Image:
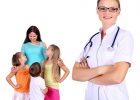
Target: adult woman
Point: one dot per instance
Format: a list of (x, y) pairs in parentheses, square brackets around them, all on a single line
[(33, 47), (106, 58)]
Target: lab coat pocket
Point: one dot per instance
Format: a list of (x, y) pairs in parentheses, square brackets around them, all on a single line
[(108, 55), (114, 92)]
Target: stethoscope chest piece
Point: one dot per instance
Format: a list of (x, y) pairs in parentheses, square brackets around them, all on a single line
[(110, 49)]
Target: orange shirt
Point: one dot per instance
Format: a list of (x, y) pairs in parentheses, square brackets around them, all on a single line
[(23, 78)]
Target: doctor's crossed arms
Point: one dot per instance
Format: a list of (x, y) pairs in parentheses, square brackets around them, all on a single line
[(106, 57)]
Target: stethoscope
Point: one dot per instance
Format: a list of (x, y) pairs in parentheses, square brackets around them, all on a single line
[(90, 43)]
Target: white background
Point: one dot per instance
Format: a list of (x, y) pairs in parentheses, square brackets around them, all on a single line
[(68, 24)]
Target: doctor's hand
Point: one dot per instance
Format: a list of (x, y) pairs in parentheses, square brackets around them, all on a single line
[(84, 63)]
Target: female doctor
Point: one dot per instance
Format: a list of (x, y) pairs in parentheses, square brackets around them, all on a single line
[(106, 58)]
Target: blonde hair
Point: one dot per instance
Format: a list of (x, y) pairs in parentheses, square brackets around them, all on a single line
[(118, 2), (56, 55)]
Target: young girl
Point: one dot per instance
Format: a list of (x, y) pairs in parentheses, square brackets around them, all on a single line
[(21, 73), (37, 83), (51, 72)]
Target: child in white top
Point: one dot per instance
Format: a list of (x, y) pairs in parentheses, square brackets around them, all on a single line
[(37, 83)]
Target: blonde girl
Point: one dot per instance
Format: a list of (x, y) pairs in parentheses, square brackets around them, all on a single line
[(51, 72), (21, 73)]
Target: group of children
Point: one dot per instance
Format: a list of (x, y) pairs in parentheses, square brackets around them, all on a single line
[(38, 81)]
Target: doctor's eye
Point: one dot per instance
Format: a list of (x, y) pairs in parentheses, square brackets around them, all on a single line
[(110, 9), (102, 9)]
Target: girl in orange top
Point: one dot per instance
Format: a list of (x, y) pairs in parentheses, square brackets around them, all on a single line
[(21, 73)]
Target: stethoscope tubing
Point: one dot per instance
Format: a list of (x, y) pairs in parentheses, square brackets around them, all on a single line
[(112, 45), (90, 43)]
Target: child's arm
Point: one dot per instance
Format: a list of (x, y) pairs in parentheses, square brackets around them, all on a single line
[(44, 91), (44, 50), (43, 87), (8, 78), (65, 69)]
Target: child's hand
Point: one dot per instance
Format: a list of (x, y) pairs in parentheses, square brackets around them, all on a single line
[(14, 69), (60, 81), (18, 86), (44, 91), (60, 62)]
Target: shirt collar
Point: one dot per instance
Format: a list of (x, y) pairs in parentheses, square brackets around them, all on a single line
[(110, 29)]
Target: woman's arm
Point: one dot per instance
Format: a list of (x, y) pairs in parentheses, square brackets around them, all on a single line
[(85, 74), (115, 76), (42, 69), (65, 69), (82, 72), (44, 50), (23, 49), (44, 45)]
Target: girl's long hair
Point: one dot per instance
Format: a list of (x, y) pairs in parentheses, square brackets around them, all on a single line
[(56, 55)]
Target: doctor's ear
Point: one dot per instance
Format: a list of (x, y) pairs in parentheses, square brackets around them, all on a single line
[(97, 10), (119, 11)]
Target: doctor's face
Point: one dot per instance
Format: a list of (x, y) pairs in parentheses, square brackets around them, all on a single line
[(108, 11)]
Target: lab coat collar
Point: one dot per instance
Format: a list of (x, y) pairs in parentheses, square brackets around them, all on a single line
[(110, 29)]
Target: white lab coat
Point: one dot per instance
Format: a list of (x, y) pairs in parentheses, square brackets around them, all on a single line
[(99, 54)]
